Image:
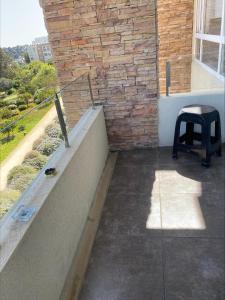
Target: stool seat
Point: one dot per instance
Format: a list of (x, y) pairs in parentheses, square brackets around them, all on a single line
[(205, 116), (197, 109)]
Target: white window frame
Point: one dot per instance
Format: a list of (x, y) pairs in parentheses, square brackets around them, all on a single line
[(201, 36)]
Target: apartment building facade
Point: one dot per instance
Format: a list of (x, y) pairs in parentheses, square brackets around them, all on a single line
[(40, 50)]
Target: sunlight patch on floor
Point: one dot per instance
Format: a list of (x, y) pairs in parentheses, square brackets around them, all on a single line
[(177, 205)]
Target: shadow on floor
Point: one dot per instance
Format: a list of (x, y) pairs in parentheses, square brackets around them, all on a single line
[(161, 234)]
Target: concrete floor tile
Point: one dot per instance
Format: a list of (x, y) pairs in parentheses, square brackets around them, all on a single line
[(172, 182), (194, 269), (137, 157), (131, 215), (182, 211), (134, 179), (193, 215), (124, 269)]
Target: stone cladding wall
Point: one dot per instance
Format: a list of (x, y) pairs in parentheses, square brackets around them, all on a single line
[(116, 40)]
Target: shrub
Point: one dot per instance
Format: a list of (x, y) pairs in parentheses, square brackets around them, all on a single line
[(20, 177), (25, 97), (16, 83), (20, 102), (22, 107), (7, 139), (8, 198), (11, 91), (7, 129), (22, 89), (38, 142), (21, 128), (48, 145), (42, 94), (35, 160), (5, 84), (12, 106), (6, 113), (2, 95), (15, 112), (10, 102), (54, 131), (2, 103)]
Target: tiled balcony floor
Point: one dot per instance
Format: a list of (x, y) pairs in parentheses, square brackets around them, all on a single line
[(161, 235)]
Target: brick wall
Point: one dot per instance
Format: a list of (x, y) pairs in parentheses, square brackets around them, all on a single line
[(116, 40), (175, 27)]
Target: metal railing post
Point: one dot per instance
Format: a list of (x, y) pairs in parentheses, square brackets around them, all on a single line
[(90, 88), (61, 120), (168, 81)]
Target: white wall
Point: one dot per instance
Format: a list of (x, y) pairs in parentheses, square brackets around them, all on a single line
[(170, 106), (36, 257)]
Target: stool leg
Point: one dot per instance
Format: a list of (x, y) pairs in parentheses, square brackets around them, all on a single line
[(176, 138), (206, 142), (189, 133), (206, 161), (218, 135)]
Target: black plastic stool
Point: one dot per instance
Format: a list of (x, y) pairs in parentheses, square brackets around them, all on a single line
[(203, 115)]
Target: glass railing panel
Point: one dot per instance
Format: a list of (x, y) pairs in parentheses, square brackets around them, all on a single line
[(29, 140)]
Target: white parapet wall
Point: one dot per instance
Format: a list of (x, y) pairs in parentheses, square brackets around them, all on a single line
[(36, 255), (169, 108)]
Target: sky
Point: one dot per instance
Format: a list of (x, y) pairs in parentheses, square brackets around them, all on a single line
[(20, 22)]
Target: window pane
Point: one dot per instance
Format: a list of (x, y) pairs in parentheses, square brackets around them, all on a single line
[(197, 49), (222, 65), (210, 53), (213, 16)]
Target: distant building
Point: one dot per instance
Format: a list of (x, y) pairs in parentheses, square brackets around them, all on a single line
[(40, 50), (40, 40), (32, 52)]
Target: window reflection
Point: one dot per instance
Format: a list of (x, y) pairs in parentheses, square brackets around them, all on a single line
[(210, 54), (213, 17)]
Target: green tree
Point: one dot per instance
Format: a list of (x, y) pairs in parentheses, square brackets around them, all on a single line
[(5, 84), (8, 129), (34, 76), (5, 113), (42, 94), (27, 58), (7, 65), (45, 77), (25, 97)]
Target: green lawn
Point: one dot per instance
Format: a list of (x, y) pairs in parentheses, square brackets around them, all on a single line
[(29, 122), (7, 199)]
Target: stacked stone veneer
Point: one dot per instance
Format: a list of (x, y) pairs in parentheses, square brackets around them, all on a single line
[(175, 27), (116, 41)]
